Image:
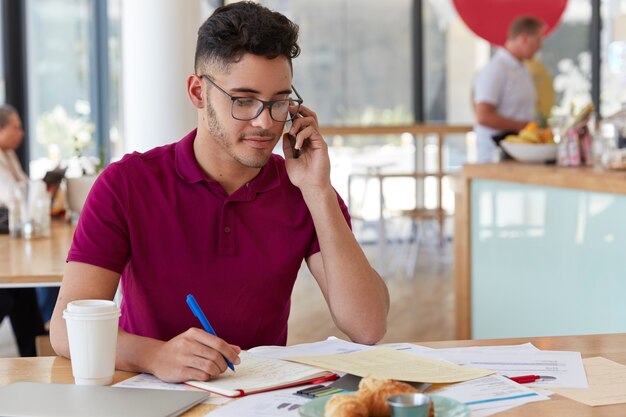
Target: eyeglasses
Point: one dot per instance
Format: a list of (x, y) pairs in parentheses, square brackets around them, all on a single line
[(248, 108)]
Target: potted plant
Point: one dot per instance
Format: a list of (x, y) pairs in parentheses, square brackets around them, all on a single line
[(69, 137)]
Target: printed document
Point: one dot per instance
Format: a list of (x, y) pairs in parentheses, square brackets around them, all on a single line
[(490, 395), (566, 367), (393, 364), (330, 346)]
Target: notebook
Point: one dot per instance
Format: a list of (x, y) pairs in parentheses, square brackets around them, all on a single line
[(259, 374), (37, 399)]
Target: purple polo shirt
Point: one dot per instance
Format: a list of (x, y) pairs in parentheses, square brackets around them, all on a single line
[(170, 231)]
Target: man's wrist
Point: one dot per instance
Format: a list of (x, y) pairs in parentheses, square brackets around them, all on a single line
[(312, 194)]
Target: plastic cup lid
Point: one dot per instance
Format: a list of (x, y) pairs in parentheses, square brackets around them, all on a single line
[(91, 308)]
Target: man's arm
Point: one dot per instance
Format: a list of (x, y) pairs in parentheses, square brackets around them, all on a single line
[(356, 295), (193, 354), (487, 115)]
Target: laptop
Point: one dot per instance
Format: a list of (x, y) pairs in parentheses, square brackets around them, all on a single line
[(37, 399)]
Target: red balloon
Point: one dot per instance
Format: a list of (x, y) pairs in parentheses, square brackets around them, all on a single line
[(490, 19)]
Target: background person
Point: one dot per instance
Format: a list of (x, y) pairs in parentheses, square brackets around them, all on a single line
[(18, 304), (218, 215), (11, 173), (504, 93), (11, 134)]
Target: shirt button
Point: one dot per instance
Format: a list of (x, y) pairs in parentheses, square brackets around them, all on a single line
[(227, 229)]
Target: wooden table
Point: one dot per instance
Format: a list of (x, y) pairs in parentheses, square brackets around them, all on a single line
[(37, 262), (610, 346)]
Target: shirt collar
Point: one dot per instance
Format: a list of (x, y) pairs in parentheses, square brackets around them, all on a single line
[(190, 171), (508, 58)]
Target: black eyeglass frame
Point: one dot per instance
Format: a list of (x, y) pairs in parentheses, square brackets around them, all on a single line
[(267, 104)]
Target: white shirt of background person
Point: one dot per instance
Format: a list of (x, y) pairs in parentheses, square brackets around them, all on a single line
[(506, 83)]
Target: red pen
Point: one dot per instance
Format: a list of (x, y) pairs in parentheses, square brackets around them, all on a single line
[(525, 379)]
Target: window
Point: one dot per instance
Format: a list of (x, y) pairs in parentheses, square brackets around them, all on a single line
[(2, 80), (613, 58), (65, 82), (356, 65)]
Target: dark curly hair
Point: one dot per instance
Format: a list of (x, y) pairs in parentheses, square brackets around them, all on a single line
[(245, 27)]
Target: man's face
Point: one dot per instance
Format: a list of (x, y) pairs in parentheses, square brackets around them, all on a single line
[(11, 135), (250, 142), (532, 43)]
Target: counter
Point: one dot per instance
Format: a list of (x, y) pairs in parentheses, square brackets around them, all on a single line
[(539, 250)]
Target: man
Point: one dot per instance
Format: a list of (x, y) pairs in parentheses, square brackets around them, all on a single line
[(504, 93), (219, 216), (19, 304)]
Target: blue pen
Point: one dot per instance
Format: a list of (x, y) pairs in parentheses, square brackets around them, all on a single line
[(197, 311)]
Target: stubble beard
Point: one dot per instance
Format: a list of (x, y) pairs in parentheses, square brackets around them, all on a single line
[(218, 133)]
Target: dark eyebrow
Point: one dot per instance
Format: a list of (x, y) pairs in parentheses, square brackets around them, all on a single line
[(253, 91)]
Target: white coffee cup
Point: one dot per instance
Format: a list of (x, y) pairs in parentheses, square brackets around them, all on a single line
[(92, 332)]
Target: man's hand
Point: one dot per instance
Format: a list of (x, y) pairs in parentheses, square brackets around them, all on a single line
[(192, 355), (312, 169)]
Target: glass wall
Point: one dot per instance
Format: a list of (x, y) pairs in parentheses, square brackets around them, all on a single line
[(116, 142), (2, 80), (567, 56), (613, 58), (58, 80), (356, 62), (63, 84)]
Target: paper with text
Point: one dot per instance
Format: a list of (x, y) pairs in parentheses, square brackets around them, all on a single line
[(607, 383), (393, 364), (490, 395), (330, 346), (566, 367)]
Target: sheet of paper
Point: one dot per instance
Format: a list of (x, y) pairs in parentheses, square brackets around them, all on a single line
[(282, 403), (566, 367), (393, 364), (152, 382), (607, 383), (407, 347), (330, 346), (524, 347), (490, 395)]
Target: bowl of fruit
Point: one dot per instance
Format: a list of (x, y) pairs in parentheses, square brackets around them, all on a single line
[(532, 145)]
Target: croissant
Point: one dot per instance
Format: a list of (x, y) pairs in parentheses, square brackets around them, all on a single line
[(343, 405), (374, 392)]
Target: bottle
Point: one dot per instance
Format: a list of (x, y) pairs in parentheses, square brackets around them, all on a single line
[(16, 209), (39, 210)]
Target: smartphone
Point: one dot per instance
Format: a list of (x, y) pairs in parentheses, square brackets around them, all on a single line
[(292, 141)]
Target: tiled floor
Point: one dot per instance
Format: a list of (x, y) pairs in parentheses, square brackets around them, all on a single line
[(422, 305)]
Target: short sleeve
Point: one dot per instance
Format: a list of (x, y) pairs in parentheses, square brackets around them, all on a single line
[(315, 244), (101, 237), (488, 85)]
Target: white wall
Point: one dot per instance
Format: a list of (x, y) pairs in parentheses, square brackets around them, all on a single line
[(466, 56), (158, 46)]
